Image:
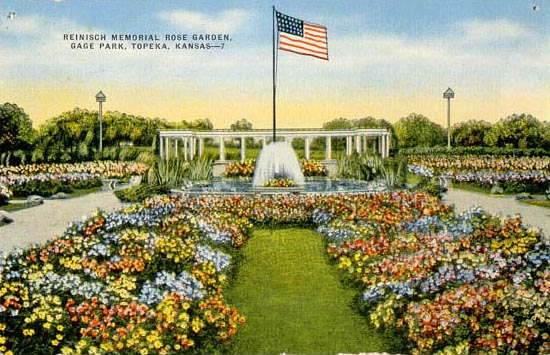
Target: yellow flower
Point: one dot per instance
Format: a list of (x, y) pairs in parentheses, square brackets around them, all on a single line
[(47, 325), (2, 340), (59, 336), (60, 328), (28, 332), (55, 342), (2, 326)]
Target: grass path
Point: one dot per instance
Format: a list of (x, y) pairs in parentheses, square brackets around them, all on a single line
[(293, 300)]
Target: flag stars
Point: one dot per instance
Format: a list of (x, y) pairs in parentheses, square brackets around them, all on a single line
[(290, 25)]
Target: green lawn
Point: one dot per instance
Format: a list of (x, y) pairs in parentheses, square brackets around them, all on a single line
[(413, 179), (293, 300), (540, 203), (478, 189)]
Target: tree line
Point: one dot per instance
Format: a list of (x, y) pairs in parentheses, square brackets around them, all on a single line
[(74, 135)]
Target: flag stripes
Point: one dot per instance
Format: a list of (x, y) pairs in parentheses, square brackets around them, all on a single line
[(301, 37)]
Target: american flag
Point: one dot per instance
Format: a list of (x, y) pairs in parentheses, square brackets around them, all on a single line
[(301, 37)]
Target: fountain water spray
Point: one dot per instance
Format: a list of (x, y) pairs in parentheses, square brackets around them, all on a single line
[(277, 160)]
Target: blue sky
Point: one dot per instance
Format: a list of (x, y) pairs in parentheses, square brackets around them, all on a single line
[(388, 58)]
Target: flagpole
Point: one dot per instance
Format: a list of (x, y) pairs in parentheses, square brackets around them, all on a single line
[(274, 78)]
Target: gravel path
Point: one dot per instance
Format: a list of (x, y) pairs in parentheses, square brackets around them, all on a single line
[(533, 216), (40, 223)]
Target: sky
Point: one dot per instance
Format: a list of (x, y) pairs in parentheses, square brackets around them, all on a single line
[(388, 58)]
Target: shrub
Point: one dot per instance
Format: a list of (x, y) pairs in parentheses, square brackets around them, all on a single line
[(199, 169), (139, 193), (51, 187), (170, 173)]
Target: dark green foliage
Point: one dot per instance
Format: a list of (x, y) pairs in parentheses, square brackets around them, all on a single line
[(16, 134), (140, 192), (241, 125), (470, 133), (417, 130), (516, 131), (430, 186), (51, 187)]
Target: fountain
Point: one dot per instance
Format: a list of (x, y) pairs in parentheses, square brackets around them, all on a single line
[(277, 160)]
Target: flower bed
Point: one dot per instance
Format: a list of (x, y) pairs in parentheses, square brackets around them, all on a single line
[(240, 169), (525, 174), (48, 179), (106, 169), (246, 169), (5, 194), (150, 279), (279, 183), (313, 168)]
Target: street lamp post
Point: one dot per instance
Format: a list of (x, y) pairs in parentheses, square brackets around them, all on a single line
[(100, 97), (449, 94)]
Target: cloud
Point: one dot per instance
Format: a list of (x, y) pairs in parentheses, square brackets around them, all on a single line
[(224, 22), (24, 26), (478, 31), (47, 0)]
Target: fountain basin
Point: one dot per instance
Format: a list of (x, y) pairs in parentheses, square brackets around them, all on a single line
[(309, 186)]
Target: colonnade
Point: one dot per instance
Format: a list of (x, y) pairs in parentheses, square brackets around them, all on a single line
[(191, 143)]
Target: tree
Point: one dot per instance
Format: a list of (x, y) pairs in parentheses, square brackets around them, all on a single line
[(241, 125), (516, 131), (201, 124), (74, 135), (470, 133), (338, 123), (16, 132), (417, 130)]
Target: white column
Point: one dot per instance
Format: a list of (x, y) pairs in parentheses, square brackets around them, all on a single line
[(348, 145), (264, 141), (388, 144), (380, 145), (243, 149), (358, 144), (364, 142), (161, 147), (167, 148), (222, 149), (185, 140), (307, 141), (176, 148), (328, 147), (201, 146), (192, 148)]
